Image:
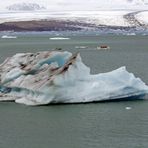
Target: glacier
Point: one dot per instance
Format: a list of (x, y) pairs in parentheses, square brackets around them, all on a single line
[(118, 16), (61, 77)]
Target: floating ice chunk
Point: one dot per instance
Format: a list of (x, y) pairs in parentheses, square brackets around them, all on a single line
[(60, 77), (128, 108), (8, 37), (59, 38)]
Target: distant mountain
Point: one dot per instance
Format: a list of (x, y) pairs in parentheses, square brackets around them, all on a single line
[(73, 5), (25, 7), (52, 21), (59, 15)]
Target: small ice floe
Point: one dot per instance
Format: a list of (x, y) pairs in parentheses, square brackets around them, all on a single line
[(103, 47), (128, 108), (59, 38), (81, 47), (8, 37), (131, 34), (61, 77)]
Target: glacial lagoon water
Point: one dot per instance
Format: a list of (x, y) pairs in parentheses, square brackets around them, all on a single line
[(105, 124)]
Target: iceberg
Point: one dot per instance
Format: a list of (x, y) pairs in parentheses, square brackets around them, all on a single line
[(61, 77)]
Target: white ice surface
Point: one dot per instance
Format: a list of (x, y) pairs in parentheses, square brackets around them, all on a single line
[(59, 77), (59, 38), (143, 17), (8, 37), (99, 17), (112, 18)]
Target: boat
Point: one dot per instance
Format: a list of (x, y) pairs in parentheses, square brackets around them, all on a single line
[(103, 47)]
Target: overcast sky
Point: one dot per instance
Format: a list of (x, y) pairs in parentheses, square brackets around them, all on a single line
[(79, 4)]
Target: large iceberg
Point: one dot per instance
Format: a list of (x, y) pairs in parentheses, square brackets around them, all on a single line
[(61, 77)]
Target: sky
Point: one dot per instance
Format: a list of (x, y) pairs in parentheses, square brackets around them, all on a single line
[(81, 4)]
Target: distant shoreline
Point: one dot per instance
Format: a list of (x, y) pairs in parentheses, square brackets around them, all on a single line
[(40, 25), (55, 25)]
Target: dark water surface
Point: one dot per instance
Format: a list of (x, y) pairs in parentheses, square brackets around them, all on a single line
[(95, 125)]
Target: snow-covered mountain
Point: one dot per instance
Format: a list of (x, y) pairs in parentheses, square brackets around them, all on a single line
[(62, 5), (44, 15), (25, 7)]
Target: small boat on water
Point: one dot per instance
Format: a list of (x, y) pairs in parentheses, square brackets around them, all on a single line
[(8, 37), (103, 47)]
